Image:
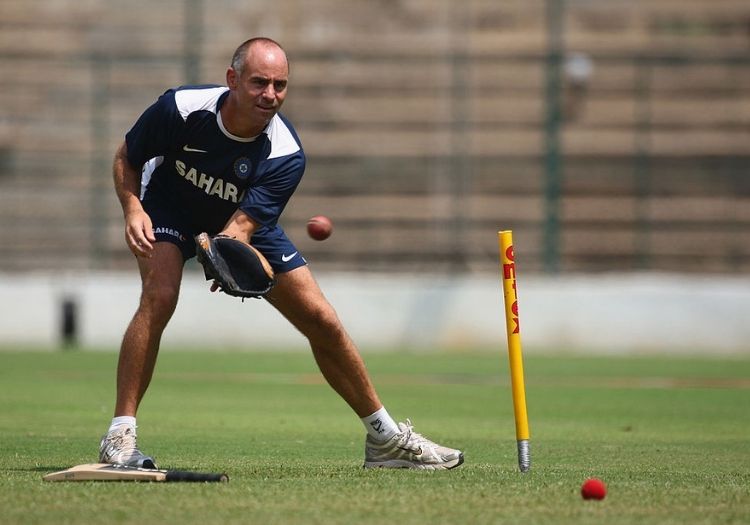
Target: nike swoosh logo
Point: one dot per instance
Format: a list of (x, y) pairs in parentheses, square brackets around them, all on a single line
[(186, 148), (287, 258)]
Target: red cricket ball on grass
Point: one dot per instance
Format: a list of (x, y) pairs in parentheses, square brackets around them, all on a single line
[(319, 227), (593, 488)]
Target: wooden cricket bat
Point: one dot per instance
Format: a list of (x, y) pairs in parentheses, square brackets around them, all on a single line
[(106, 472)]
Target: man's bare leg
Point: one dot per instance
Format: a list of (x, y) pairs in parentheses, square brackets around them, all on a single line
[(297, 296), (160, 277)]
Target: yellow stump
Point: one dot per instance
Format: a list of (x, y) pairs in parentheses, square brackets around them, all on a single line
[(512, 325)]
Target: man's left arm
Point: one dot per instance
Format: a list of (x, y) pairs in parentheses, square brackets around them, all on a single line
[(240, 226), (264, 202)]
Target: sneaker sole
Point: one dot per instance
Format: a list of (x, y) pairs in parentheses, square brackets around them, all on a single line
[(401, 463), (147, 464)]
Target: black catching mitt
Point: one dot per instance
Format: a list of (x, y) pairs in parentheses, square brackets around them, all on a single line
[(238, 268)]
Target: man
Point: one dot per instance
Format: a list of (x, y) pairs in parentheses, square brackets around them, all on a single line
[(221, 159)]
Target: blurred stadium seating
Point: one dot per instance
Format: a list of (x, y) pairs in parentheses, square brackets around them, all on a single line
[(427, 125)]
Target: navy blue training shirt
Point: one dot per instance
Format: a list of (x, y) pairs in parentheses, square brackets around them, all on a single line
[(191, 161)]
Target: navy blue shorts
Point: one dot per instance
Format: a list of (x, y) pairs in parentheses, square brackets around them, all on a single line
[(272, 242)]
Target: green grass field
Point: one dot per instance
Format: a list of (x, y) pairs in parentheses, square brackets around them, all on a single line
[(670, 436)]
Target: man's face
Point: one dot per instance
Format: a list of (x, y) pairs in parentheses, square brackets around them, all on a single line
[(261, 86)]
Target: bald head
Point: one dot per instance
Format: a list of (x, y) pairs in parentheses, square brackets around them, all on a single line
[(239, 59)]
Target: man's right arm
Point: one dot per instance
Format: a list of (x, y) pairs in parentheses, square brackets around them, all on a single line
[(139, 233)]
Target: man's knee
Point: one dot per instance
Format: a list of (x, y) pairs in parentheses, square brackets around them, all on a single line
[(159, 300), (160, 282), (298, 297), (322, 322)]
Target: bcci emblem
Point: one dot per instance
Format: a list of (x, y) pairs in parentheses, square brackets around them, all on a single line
[(242, 167)]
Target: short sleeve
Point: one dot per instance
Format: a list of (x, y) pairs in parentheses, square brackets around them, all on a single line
[(266, 200), (155, 131)]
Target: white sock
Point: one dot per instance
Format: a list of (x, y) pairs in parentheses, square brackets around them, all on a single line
[(380, 425), (121, 420)]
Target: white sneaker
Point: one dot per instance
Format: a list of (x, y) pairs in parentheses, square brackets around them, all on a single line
[(118, 447), (407, 449)]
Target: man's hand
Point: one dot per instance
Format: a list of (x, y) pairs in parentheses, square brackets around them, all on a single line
[(139, 233)]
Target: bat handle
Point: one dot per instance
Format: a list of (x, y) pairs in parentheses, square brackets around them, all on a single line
[(179, 475)]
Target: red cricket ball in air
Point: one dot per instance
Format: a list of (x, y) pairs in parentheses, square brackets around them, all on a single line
[(319, 227)]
